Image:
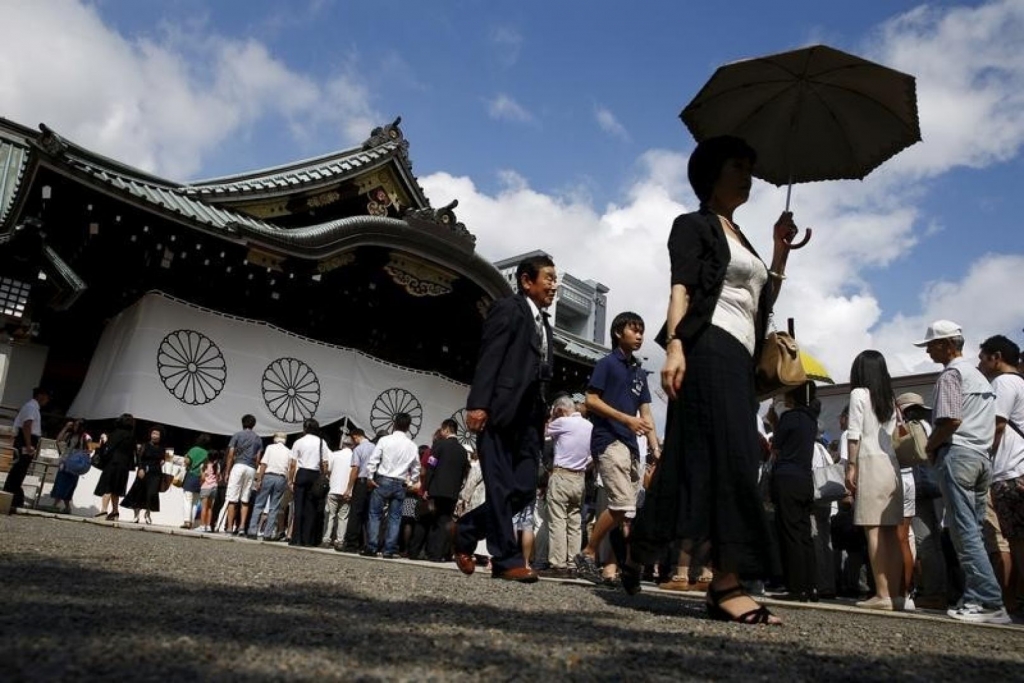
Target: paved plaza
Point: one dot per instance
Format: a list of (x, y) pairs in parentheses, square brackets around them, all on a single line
[(88, 601)]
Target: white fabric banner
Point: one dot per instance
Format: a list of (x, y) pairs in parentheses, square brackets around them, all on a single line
[(165, 360)]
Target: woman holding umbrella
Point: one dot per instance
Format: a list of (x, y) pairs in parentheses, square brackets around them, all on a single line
[(721, 297)]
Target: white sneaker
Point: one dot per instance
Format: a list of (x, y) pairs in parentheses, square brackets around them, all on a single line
[(976, 614)]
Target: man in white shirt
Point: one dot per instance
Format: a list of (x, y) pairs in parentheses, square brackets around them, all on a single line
[(571, 433), (271, 483), (343, 471), (395, 464), (960, 443), (997, 361), (28, 428)]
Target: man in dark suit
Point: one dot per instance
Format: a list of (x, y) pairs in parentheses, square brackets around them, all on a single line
[(506, 408), (449, 464)]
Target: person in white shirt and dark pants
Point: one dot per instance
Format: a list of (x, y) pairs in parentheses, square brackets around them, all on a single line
[(309, 459), (395, 463), (28, 428)]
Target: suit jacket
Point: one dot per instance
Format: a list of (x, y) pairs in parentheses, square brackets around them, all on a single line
[(507, 379), (445, 478)]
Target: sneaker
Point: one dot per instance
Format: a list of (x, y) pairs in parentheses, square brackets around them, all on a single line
[(587, 569), (905, 604), (976, 614)]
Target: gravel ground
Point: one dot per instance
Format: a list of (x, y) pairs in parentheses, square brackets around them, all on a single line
[(85, 601)]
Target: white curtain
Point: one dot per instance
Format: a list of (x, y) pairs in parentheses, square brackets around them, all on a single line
[(169, 361)]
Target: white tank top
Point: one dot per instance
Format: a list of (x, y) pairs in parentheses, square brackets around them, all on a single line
[(736, 309)]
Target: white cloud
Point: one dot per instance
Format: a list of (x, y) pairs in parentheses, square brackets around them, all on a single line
[(507, 43), (970, 81), (503, 108), (609, 124), (162, 103), (862, 226)]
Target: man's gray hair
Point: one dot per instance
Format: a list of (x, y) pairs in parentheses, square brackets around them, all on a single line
[(563, 404), (957, 342)]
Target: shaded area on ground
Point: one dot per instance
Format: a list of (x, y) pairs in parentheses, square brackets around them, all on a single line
[(89, 602)]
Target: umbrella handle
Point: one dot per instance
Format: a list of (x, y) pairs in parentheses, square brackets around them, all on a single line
[(802, 243)]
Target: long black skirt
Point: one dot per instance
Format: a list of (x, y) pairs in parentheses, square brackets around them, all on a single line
[(144, 493), (705, 488)]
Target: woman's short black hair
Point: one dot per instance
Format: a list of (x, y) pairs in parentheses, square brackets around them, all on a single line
[(709, 157)]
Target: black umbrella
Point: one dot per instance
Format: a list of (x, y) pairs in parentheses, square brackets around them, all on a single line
[(812, 114)]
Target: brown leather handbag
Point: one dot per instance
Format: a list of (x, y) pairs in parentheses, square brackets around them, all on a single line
[(779, 367)]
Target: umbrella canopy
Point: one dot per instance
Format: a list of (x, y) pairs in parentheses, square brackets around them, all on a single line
[(811, 114), (814, 368)]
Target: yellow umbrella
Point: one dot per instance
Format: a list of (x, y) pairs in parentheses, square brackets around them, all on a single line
[(814, 368)]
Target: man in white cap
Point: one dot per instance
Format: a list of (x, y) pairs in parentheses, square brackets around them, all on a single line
[(964, 431)]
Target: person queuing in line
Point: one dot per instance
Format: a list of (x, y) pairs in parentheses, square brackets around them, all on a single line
[(28, 430), (619, 403), (394, 465), (720, 299), (270, 485), (117, 457), (449, 467), (570, 433), (359, 505), (506, 408), (342, 471), (873, 476), (792, 490), (244, 451), (144, 495), (309, 457), (191, 487), (963, 434), (72, 439), (930, 588), (210, 478), (998, 360), (821, 519)]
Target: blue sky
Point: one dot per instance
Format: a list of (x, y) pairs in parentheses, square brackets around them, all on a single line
[(556, 125)]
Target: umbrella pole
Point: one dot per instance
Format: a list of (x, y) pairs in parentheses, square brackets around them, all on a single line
[(789, 194)]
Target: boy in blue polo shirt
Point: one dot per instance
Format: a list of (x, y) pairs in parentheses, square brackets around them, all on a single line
[(619, 404)]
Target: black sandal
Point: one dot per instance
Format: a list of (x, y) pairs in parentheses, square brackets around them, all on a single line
[(760, 615)]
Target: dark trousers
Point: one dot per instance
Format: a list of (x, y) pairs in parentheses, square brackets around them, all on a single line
[(417, 545), (18, 471), (357, 510), (304, 531), (439, 540), (508, 464), (793, 495)]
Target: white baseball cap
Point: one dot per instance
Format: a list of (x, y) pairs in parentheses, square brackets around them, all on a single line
[(940, 329)]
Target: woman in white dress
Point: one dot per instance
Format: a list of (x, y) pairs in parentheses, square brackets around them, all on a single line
[(873, 476)]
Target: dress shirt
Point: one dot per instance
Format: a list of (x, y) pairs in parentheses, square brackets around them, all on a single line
[(395, 456), (30, 411), (309, 451), (571, 435), (340, 468), (276, 458), (361, 457), (538, 320)]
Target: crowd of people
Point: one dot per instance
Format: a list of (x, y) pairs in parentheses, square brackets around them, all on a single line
[(729, 502)]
